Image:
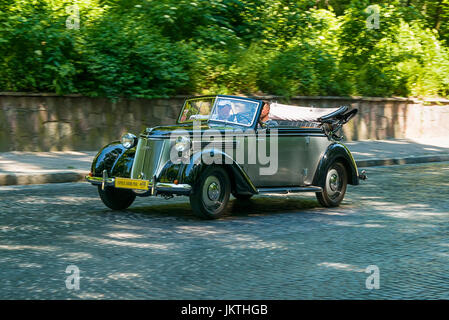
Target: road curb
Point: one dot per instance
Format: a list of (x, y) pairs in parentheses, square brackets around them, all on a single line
[(40, 178), (398, 161), (70, 176)]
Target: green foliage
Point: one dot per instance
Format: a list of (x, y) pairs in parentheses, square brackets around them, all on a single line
[(149, 48), (126, 55), (36, 52), (400, 58), (308, 63)]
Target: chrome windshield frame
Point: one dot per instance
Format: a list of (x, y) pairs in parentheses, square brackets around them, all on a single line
[(256, 112), (178, 120)]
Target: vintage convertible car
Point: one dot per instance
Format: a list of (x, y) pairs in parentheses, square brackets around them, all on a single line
[(304, 155)]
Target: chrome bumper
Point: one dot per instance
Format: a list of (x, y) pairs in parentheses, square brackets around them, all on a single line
[(159, 187)]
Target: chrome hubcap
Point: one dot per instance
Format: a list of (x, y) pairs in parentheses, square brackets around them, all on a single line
[(333, 184), (212, 192)]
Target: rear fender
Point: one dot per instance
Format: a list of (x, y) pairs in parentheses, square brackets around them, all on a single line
[(336, 152)]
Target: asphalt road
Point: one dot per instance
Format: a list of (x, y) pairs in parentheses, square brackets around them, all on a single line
[(273, 247)]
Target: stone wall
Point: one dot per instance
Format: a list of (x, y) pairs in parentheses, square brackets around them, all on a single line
[(47, 122), (51, 123), (388, 118)]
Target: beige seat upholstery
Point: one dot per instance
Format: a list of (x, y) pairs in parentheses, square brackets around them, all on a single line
[(295, 113)]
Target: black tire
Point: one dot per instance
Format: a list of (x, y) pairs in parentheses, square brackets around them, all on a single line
[(116, 199), (210, 194), (242, 197), (335, 186)]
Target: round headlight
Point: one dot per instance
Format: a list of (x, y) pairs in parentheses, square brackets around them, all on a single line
[(128, 140), (182, 143)]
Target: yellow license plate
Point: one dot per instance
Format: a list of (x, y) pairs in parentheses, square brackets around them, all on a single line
[(131, 183)]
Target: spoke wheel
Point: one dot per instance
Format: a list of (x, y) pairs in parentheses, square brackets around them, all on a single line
[(211, 194), (335, 186)]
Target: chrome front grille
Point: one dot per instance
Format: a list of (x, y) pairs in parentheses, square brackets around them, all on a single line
[(151, 155)]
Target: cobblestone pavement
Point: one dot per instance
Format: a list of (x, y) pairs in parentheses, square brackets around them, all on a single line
[(273, 247)]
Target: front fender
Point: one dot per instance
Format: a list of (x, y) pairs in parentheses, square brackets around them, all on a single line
[(336, 151), (115, 159), (190, 173)]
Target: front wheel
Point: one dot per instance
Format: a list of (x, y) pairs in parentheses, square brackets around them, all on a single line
[(335, 186), (116, 199), (211, 194)]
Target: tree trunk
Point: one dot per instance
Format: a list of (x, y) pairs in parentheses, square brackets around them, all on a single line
[(438, 15)]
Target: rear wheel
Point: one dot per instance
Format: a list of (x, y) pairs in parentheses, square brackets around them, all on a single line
[(211, 194), (335, 186), (116, 199)]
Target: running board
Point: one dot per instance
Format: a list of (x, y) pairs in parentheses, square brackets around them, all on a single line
[(290, 189)]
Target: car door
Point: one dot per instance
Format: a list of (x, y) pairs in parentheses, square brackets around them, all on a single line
[(290, 158)]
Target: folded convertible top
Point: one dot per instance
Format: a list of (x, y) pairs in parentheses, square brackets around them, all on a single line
[(296, 113)]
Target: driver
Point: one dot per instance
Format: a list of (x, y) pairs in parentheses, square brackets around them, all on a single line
[(264, 118), (225, 113), (265, 112)]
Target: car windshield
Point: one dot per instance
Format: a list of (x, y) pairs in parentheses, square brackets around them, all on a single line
[(234, 110), (196, 109)]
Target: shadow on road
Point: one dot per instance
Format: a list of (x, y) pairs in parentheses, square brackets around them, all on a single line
[(236, 208)]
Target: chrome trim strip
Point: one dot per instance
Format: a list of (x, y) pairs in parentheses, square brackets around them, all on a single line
[(290, 189), (153, 186), (100, 181), (159, 164), (173, 186), (279, 133), (105, 178)]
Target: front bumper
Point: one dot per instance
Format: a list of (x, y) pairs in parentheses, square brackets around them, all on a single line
[(153, 189)]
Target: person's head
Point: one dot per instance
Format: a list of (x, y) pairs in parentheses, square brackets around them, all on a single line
[(265, 109), (224, 111)]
